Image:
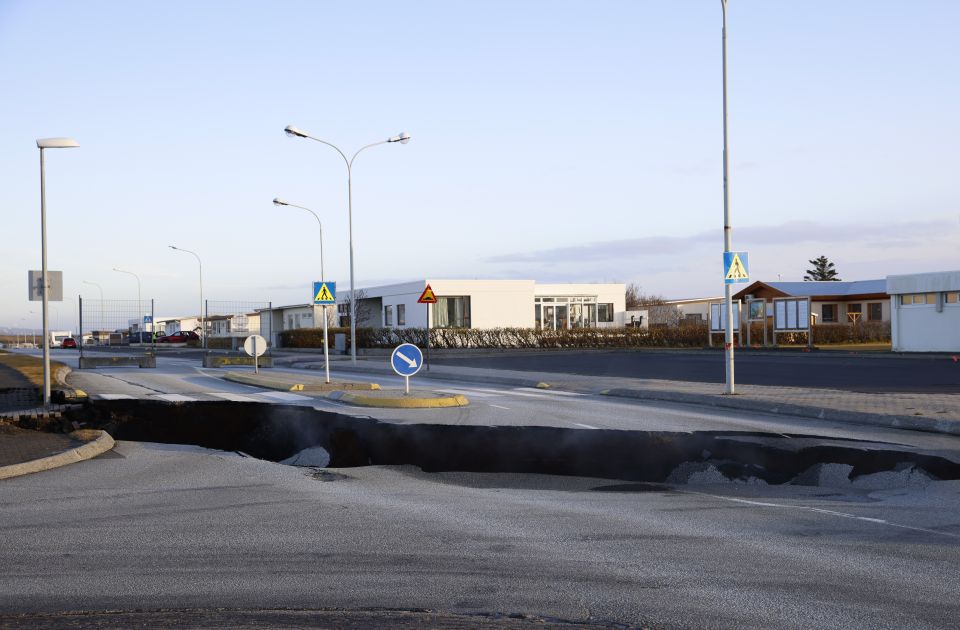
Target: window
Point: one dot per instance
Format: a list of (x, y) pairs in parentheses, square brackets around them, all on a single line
[(401, 314), (854, 313), (605, 312), (829, 313), (388, 316), (343, 310), (452, 312), (918, 298), (875, 312), (289, 321), (952, 298)]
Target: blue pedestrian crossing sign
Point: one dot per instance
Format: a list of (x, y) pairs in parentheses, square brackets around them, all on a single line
[(735, 268), (406, 359), (324, 292)]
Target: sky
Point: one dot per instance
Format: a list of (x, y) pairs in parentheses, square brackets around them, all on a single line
[(555, 141)]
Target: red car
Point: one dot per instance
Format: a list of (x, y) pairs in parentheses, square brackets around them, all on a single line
[(181, 336), (69, 342)]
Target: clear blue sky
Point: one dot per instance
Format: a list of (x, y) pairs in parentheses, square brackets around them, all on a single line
[(557, 141)]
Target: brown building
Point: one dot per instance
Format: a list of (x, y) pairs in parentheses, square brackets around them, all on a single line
[(830, 302)]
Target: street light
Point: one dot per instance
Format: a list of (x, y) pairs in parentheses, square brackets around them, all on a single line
[(203, 329), (402, 138), (139, 302), (47, 143), (727, 227), (326, 356)]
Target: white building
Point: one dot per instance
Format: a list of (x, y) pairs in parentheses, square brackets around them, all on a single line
[(925, 312), (472, 304)]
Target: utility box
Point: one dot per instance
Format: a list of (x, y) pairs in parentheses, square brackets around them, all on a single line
[(340, 343)]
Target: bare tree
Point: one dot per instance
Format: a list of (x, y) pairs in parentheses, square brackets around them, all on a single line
[(658, 311)]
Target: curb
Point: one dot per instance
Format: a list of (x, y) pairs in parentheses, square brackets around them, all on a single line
[(99, 445), (457, 400), (272, 382), (494, 380), (912, 423)]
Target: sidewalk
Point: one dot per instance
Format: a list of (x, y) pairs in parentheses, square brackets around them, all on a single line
[(939, 413)]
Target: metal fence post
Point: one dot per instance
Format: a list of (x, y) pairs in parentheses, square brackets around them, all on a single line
[(270, 329), (153, 328), (206, 323), (80, 332)]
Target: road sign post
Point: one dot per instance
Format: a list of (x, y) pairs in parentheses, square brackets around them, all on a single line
[(428, 297), (406, 360), (325, 293), (255, 346)]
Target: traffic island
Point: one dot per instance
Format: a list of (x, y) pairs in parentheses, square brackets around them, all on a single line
[(397, 399), (26, 451), (295, 383)]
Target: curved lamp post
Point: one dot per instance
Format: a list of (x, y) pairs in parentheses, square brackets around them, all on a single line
[(326, 353), (47, 143), (139, 302), (203, 329), (402, 138)]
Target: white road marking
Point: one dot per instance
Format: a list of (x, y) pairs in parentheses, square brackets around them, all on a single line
[(585, 426), (232, 397), (115, 396), (499, 407), (551, 392), (878, 521), (175, 398), (284, 396)]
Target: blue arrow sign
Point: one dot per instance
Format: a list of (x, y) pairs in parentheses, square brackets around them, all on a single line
[(406, 359)]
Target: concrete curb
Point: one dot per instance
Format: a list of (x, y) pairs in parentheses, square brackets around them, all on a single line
[(912, 423), (287, 385), (448, 376), (400, 402), (99, 445)]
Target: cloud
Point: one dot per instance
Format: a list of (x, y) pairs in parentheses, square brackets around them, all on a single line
[(904, 234)]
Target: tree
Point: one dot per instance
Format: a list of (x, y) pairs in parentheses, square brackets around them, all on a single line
[(658, 311), (822, 269)]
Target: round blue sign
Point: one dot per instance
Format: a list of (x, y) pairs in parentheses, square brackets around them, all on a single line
[(406, 359)]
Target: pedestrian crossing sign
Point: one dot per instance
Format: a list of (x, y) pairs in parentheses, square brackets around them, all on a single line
[(735, 268), (324, 292)]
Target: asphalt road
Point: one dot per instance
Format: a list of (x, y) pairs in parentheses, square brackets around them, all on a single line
[(182, 380), (852, 372), (168, 527)]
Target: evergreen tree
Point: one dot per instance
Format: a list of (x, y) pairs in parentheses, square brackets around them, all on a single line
[(822, 269)]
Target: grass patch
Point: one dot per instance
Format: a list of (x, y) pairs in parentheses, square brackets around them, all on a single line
[(17, 370)]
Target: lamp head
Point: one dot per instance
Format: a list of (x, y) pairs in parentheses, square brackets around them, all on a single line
[(290, 130), (57, 143), (277, 201), (403, 137), (172, 246)]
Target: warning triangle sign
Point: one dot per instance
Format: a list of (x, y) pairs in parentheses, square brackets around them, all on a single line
[(737, 271), (324, 295), (428, 296)]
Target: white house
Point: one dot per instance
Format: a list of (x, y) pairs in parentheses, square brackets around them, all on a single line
[(925, 312), (472, 304)]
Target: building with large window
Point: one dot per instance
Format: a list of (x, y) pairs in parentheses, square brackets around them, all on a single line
[(925, 312), (830, 302), (473, 304)]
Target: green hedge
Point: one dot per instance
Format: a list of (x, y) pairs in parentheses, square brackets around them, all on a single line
[(684, 336)]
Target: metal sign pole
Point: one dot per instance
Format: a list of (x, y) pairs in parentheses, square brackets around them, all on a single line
[(326, 350), (428, 336), (256, 357), (406, 385)]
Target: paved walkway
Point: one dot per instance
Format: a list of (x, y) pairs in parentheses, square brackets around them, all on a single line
[(932, 412), (22, 445)]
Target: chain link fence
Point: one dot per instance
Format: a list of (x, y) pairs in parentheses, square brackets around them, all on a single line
[(115, 328)]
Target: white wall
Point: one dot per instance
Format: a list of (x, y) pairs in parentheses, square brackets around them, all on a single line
[(493, 303), (921, 327)]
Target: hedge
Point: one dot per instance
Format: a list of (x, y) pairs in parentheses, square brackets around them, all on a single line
[(686, 336)]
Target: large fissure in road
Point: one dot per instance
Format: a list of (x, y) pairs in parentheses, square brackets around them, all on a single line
[(276, 432)]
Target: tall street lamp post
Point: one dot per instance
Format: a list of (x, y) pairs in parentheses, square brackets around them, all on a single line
[(47, 143), (203, 329), (402, 138), (727, 227), (323, 279), (139, 302)]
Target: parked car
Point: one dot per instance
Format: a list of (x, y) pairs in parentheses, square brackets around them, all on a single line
[(181, 336), (69, 342)]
